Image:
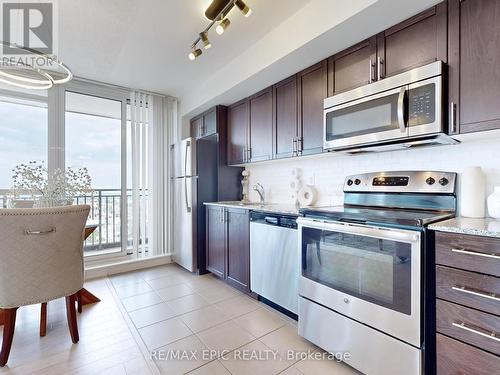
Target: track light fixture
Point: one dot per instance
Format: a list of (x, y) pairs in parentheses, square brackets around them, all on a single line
[(195, 52), (245, 9), (217, 12), (204, 40), (222, 26)]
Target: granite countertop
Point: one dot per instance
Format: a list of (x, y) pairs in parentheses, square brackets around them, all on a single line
[(278, 208), (486, 227)]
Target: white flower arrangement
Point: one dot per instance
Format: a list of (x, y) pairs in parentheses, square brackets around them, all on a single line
[(49, 189)]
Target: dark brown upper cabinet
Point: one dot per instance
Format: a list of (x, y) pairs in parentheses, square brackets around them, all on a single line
[(312, 90), (417, 41), (206, 123), (238, 118), (261, 125), (285, 133), (196, 126), (474, 69), (352, 67)]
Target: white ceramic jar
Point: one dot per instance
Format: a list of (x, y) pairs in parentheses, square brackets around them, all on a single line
[(473, 193), (494, 203)]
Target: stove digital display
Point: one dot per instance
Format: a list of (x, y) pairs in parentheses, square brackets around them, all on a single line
[(391, 181)]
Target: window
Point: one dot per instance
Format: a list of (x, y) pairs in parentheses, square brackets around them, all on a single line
[(23, 134)]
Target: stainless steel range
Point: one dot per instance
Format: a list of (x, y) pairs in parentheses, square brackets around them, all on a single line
[(364, 286)]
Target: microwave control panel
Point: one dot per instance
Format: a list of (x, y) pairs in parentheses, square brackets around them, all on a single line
[(422, 105)]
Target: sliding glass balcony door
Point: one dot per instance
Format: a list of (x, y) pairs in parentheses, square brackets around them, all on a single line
[(94, 140)]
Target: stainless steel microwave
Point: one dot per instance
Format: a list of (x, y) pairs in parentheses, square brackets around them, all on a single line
[(404, 107)]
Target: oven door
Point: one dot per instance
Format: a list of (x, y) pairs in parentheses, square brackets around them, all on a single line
[(371, 119), (369, 274)]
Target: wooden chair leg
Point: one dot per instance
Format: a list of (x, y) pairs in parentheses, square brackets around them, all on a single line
[(79, 301), (71, 314), (8, 334), (43, 319)]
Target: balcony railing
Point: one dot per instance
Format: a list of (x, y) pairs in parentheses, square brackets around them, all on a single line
[(105, 210)]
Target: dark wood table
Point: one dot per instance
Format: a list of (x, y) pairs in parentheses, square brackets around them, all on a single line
[(85, 297)]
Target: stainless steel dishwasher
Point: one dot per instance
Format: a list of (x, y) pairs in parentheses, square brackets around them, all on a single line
[(274, 258)]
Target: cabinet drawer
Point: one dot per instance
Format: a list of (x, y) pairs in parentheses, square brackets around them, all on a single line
[(467, 325), (474, 290), (471, 253), (457, 358)]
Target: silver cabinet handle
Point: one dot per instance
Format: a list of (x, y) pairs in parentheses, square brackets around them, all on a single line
[(221, 214), (30, 232), (476, 253), (401, 109), (299, 145), (477, 330), (294, 141), (474, 292), (372, 67), (249, 154), (452, 117), (243, 155), (380, 62)]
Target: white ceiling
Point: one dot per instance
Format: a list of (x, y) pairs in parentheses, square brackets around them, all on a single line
[(144, 44)]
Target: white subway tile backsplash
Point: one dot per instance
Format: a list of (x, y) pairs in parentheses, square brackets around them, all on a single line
[(327, 172)]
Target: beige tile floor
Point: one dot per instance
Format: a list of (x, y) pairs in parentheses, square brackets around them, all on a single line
[(178, 312), (165, 310)]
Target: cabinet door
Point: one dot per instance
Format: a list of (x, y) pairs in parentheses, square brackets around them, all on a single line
[(238, 248), (216, 240), (312, 91), (261, 125), (237, 131), (353, 67), (474, 71), (285, 118), (196, 127), (417, 41), (210, 122)]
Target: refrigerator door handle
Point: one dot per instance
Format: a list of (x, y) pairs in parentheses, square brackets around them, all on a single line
[(188, 207), (188, 144)]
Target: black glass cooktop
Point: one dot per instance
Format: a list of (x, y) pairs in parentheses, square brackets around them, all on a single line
[(377, 216)]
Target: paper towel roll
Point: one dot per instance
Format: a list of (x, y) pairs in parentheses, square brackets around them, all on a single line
[(307, 196), (473, 192)]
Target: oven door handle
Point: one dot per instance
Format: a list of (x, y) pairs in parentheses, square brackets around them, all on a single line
[(362, 230)]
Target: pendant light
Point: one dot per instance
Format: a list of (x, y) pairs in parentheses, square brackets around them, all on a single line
[(28, 72)]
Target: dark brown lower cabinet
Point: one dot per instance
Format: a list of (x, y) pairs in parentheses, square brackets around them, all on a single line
[(467, 307), (228, 245), (238, 248), (216, 240)]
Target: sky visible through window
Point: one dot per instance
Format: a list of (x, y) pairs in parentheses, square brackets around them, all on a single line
[(23, 138), (91, 141), (94, 142)]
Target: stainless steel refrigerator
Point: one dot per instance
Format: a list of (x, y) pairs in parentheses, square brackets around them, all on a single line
[(184, 200), (201, 175)]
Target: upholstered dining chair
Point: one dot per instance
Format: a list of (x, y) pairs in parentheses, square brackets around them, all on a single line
[(41, 259)]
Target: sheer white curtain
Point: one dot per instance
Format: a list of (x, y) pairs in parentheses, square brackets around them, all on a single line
[(152, 118)]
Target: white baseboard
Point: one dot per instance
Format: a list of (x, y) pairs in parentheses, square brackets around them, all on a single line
[(128, 265)]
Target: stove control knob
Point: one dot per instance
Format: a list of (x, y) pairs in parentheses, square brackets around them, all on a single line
[(357, 181), (430, 181), (349, 182), (444, 181)]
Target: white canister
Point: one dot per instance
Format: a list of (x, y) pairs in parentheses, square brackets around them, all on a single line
[(473, 192), (494, 203)]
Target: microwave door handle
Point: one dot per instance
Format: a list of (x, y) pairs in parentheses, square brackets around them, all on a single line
[(401, 109)]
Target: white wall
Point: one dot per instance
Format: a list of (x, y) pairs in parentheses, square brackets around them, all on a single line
[(327, 172)]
